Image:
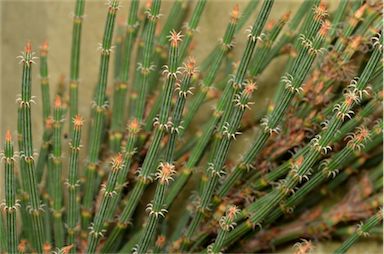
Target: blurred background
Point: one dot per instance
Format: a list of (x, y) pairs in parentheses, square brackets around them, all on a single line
[(50, 20)]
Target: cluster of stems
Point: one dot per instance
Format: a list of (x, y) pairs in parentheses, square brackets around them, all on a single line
[(158, 148)]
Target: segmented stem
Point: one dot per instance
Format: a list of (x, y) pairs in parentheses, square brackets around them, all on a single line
[(151, 159), (74, 69), (56, 174), (44, 81), (362, 230), (99, 115), (73, 185), (11, 204), (119, 99), (145, 67), (109, 190), (26, 150)]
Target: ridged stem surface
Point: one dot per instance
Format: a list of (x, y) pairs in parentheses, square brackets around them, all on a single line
[(98, 116)]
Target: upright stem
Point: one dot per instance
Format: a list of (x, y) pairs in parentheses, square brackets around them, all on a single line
[(26, 150), (56, 175), (151, 159), (99, 114), (96, 229), (11, 205), (73, 185), (75, 60), (119, 99)]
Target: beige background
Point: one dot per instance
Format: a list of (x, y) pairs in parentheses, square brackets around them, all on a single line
[(52, 20)]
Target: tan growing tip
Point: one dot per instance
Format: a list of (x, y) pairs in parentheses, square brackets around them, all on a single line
[(160, 241), (120, 21), (134, 126), (286, 16), (325, 28), (48, 122), (321, 11), (356, 42), (362, 134), (165, 173), (28, 47), (360, 12), (232, 212), (175, 38), (44, 48), (250, 87), (78, 121), (117, 161), (57, 102), (235, 13), (148, 4), (270, 25), (190, 66), (8, 136)]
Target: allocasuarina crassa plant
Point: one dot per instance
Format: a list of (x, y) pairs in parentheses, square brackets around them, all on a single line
[(155, 167)]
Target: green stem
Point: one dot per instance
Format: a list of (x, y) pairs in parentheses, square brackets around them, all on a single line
[(99, 114), (26, 150), (96, 229), (73, 185), (362, 230), (11, 204), (75, 60), (56, 175)]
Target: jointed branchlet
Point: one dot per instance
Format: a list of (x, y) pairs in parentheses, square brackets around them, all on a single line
[(361, 231), (54, 175), (226, 223), (73, 184), (74, 74), (151, 158), (292, 85), (96, 232), (99, 115), (11, 204), (27, 166)]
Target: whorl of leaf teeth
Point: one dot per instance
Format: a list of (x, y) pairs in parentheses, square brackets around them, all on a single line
[(133, 126), (117, 162), (175, 38), (227, 222), (356, 140), (165, 173), (78, 122), (27, 56), (320, 11), (189, 67)]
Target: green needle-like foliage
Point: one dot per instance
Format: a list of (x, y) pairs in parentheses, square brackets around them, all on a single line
[(182, 178)]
